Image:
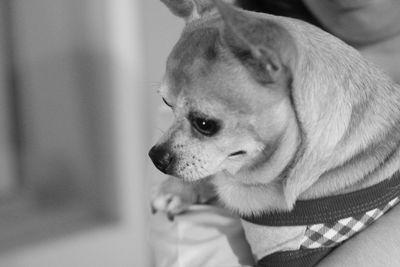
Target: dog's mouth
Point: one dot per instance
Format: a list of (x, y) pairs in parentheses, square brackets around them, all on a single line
[(237, 153)]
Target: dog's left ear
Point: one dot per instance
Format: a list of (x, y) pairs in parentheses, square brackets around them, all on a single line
[(262, 45)]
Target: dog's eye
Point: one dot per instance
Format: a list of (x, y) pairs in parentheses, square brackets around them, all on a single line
[(166, 103), (205, 126)]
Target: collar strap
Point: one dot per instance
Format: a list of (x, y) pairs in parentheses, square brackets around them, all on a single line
[(332, 208)]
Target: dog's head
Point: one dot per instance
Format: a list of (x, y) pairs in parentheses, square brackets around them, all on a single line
[(264, 98), (228, 89)]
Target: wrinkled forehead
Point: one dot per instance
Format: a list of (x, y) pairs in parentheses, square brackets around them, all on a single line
[(193, 57)]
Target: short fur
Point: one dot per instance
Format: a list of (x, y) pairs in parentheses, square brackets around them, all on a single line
[(311, 115)]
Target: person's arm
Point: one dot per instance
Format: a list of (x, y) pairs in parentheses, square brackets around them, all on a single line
[(378, 245)]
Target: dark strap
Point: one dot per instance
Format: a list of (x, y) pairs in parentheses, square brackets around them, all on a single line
[(297, 258), (333, 208)]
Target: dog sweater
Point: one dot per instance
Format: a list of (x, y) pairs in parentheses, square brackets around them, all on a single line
[(303, 236)]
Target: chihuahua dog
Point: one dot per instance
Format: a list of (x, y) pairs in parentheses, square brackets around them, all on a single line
[(269, 112)]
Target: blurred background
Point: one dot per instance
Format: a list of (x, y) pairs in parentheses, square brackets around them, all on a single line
[(78, 113)]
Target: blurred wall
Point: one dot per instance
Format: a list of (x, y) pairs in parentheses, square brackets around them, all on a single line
[(110, 33), (161, 31)]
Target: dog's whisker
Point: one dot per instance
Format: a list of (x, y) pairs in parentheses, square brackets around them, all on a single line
[(161, 130), (219, 149), (155, 84)]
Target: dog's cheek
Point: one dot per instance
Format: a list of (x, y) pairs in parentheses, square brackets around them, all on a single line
[(196, 162), (232, 166), (250, 149)]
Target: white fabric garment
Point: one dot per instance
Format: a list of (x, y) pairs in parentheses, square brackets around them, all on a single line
[(265, 240), (205, 236)]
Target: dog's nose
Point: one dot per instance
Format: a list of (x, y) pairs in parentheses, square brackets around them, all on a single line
[(161, 158)]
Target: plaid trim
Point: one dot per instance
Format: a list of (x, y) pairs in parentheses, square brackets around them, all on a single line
[(332, 208), (332, 234)]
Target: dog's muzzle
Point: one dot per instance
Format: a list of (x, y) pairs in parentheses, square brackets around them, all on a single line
[(161, 158)]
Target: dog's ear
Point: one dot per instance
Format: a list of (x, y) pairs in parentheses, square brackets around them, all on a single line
[(258, 43), (189, 9)]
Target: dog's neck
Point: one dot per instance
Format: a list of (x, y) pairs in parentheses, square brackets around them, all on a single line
[(360, 120), (364, 150), (364, 166), (349, 116), (369, 152)]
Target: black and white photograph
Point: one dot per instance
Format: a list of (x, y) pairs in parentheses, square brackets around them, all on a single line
[(199, 133)]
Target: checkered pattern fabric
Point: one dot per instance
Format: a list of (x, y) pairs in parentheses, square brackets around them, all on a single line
[(332, 234)]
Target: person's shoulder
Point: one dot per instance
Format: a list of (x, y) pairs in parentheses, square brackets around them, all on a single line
[(385, 54), (378, 245)]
